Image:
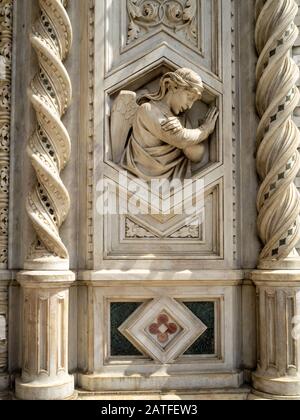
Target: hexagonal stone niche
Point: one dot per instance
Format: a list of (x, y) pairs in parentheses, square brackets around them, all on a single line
[(148, 82)]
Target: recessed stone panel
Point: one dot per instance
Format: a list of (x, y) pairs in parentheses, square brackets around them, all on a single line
[(119, 345)]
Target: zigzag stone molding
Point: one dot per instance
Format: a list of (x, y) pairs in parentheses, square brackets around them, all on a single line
[(49, 147), (278, 160), (6, 29)]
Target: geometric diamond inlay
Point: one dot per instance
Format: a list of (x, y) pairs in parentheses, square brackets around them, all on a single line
[(163, 329)]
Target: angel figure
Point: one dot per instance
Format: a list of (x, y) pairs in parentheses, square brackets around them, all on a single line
[(148, 137)]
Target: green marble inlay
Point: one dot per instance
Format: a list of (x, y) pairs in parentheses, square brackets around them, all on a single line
[(119, 312), (205, 311)]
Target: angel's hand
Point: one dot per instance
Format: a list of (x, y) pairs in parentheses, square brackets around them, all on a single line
[(172, 124), (211, 120)]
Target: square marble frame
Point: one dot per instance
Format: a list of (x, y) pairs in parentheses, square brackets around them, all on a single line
[(94, 331)]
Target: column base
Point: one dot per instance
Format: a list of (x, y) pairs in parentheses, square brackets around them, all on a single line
[(45, 391), (292, 262), (277, 387), (288, 264), (47, 264), (261, 396)]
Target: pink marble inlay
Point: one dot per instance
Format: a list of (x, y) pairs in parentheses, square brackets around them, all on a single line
[(163, 328)]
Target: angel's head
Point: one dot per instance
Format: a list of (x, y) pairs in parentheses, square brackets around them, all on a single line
[(181, 89)]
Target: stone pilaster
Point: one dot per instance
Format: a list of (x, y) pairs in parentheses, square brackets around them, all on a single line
[(278, 163), (278, 306), (45, 337), (45, 286)]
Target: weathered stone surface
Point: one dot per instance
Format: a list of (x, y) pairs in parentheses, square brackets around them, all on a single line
[(146, 288)]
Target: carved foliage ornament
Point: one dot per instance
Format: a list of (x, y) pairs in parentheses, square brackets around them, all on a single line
[(135, 231), (278, 160), (49, 147), (6, 28), (178, 16)]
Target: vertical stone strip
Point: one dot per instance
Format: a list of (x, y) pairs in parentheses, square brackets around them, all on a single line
[(278, 159), (4, 378), (6, 33), (49, 147), (6, 29)]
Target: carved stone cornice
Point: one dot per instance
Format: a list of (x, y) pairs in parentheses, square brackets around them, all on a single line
[(278, 160), (49, 147), (6, 30)]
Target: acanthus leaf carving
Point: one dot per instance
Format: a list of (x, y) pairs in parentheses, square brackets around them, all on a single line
[(178, 16), (134, 231), (190, 10), (192, 231)]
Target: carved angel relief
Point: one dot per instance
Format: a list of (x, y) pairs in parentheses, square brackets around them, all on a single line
[(178, 16), (149, 136)]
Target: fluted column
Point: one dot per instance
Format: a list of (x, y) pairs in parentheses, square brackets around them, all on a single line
[(278, 163), (45, 286)]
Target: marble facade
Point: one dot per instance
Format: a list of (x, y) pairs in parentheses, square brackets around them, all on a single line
[(150, 304)]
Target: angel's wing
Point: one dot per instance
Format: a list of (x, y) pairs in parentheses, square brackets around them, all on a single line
[(122, 116)]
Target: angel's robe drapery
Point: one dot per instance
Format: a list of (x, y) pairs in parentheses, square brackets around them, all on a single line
[(152, 152)]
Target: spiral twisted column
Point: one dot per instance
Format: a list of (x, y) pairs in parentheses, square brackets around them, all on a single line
[(278, 159), (278, 163), (49, 147), (46, 287)]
